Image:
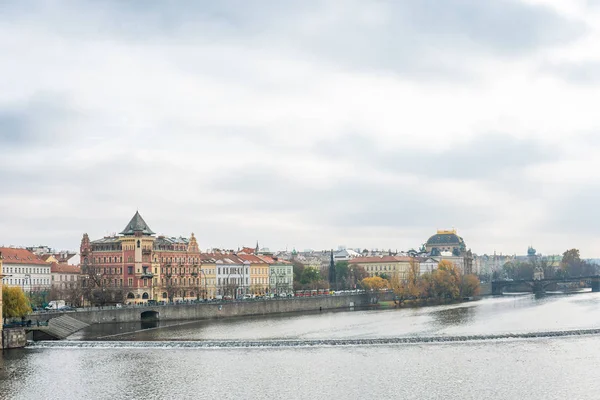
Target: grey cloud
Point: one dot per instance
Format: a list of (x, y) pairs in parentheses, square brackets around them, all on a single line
[(484, 157), (576, 212), (35, 124), (345, 202), (422, 38)]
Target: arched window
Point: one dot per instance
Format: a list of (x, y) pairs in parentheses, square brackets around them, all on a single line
[(138, 244)]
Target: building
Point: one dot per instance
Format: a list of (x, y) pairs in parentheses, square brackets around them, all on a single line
[(136, 266), (233, 275), (392, 266), (281, 274), (24, 269), (49, 255), (259, 273), (1, 318), (447, 245), (208, 270), (65, 276)]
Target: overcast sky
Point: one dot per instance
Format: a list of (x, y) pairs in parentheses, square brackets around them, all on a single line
[(306, 124)]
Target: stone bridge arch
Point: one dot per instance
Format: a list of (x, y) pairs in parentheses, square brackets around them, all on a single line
[(149, 315)]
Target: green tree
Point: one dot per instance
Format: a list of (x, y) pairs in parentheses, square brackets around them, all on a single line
[(342, 272), (14, 302), (310, 275)]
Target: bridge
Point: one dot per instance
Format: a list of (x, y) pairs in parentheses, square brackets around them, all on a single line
[(539, 286)]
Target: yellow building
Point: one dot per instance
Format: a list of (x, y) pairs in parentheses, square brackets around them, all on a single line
[(392, 266), (259, 272), (208, 278)]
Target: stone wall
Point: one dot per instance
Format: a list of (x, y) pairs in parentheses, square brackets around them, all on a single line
[(13, 338), (222, 310)]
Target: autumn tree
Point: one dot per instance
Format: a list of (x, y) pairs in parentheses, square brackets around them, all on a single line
[(375, 285), (469, 286), (14, 302)]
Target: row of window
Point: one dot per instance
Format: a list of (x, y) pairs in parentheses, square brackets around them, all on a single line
[(69, 277), (26, 281), (232, 281), (26, 270)]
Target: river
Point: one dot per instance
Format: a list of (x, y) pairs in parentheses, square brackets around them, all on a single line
[(512, 347)]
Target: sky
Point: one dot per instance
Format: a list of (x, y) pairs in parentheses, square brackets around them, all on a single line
[(306, 125)]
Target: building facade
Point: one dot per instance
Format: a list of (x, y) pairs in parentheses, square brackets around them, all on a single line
[(281, 275), (392, 266), (25, 270), (259, 273), (64, 276)]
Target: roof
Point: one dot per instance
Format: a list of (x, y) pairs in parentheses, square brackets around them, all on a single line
[(64, 269), (137, 224), (251, 258), (20, 256), (445, 238), (380, 259)]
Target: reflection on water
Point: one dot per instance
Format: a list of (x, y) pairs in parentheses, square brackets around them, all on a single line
[(454, 316), (377, 364)]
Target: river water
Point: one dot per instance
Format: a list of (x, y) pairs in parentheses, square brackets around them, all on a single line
[(512, 347)]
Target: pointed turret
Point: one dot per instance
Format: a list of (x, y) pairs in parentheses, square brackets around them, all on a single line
[(137, 224)]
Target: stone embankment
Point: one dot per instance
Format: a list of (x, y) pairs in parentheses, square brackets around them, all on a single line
[(217, 309)]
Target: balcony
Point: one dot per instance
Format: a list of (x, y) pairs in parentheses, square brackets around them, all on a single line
[(146, 252)]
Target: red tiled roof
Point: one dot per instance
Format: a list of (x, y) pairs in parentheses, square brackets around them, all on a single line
[(382, 259), (251, 258), (64, 269), (20, 256)]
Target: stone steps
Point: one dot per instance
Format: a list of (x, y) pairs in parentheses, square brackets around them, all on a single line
[(63, 326)]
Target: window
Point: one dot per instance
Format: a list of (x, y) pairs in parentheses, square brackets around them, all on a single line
[(130, 282), (138, 244), (130, 270)]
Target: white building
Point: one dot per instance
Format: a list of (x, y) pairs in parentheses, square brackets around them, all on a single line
[(233, 275), (24, 269)]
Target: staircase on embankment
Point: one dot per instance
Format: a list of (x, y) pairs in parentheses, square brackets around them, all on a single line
[(58, 328)]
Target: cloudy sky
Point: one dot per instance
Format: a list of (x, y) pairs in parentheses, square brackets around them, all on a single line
[(305, 124)]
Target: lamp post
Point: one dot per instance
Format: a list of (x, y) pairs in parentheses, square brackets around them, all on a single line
[(205, 290)]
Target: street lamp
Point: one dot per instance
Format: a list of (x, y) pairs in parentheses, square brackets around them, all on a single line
[(205, 290)]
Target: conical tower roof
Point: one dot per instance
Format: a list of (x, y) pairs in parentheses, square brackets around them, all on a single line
[(137, 224)]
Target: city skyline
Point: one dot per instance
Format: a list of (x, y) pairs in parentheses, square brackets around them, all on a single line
[(312, 125)]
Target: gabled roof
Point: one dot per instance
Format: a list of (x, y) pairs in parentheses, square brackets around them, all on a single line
[(137, 224), (20, 256), (64, 269)]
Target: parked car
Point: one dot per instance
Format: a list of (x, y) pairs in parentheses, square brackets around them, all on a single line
[(66, 308)]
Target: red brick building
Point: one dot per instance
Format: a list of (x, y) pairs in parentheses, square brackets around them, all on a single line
[(136, 266)]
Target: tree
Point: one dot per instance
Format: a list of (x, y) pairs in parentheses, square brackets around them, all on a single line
[(298, 269), (469, 286), (375, 283), (342, 272), (14, 302), (310, 275)]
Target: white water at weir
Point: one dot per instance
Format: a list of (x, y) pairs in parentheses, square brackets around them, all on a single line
[(304, 343)]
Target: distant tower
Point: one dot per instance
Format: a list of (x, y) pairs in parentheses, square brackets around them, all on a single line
[(257, 248), (331, 271)]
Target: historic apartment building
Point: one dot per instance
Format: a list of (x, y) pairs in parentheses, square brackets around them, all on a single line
[(144, 267), (24, 269)]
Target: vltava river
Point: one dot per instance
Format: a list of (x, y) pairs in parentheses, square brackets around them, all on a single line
[(501, 348)]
